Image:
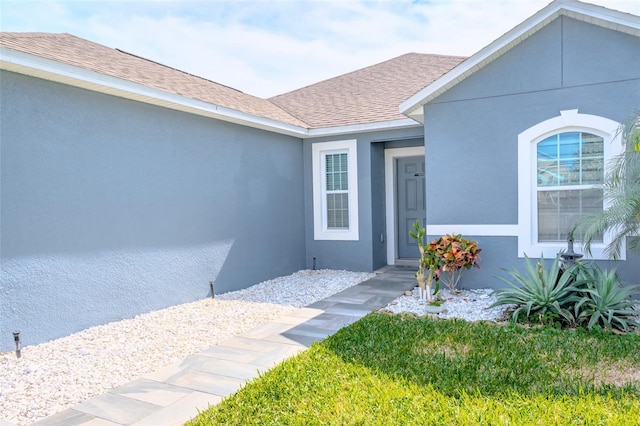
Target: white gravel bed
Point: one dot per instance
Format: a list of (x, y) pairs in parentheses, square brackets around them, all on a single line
[(56, 375), (303, 287), (470, 305)]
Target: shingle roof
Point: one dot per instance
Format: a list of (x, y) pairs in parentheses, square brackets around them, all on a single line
[(72, 50), (368, 95)]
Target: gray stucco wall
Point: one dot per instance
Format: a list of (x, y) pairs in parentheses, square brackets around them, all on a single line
[(378, 206), (497, 259), (111, 208), (566, 65), (369, 252)]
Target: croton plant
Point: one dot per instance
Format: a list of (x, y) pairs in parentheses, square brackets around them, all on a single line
[(455, 254)]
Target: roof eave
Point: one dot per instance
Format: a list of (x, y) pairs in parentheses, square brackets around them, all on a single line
[(35, 66), (598, 15), (403, 123)]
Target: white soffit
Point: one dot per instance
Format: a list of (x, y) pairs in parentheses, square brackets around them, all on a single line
[(597, 15), (402, 123)]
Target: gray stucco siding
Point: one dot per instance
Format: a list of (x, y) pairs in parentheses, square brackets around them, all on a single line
[(472, 151), (347, 255), (491, 196), (498, 258), (378, 206), (369, 252), (111, 208), (565, 53), (475, 126), (471, 162), (533, 65), (592, 54)]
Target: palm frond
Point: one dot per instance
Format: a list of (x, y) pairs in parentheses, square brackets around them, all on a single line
[(621, 192)]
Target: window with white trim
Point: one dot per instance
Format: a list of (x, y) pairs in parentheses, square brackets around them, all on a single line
[(561, 163), (335, 190), (569, 166)]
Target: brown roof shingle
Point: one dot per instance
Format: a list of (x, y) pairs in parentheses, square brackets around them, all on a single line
[(72, 50), (368, 95)]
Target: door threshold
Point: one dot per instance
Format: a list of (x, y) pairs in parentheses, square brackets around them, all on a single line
[(407, 262)]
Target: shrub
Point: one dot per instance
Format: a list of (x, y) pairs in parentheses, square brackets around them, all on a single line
[(455, 254)]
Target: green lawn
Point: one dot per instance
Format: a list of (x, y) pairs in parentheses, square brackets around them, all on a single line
[(399, 369)]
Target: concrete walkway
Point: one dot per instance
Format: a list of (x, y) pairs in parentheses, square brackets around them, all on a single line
[(175, 394)]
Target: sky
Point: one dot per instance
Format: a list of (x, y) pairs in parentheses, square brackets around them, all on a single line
[(266, 48)]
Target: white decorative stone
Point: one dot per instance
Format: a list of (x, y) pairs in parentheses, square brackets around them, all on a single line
[(56, 375)]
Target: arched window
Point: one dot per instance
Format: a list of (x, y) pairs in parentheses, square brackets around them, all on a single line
[(561, 163), (569, 165)]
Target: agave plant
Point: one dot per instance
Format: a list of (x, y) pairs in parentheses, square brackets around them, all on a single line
[(540, 292), (605, 302)]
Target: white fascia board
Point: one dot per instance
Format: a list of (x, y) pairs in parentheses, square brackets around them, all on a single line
[(598, 15), (402, 123), (23, 63), (602, 16), (238, 117)]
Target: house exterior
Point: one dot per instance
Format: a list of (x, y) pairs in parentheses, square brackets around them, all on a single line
[(129, 186), (516, 111)]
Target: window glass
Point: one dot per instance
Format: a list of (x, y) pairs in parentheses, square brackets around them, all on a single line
[(337, 186), (336, 172), (338, 211), (569, 164), (558, 211)]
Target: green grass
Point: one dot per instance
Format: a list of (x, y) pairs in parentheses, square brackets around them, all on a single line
[(398, 369)]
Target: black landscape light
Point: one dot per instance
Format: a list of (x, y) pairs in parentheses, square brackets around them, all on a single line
[(16, 338)]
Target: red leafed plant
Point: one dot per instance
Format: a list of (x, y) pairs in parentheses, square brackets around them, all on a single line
[(456, 254)]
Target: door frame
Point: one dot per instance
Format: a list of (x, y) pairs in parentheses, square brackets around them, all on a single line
[(391, 197)]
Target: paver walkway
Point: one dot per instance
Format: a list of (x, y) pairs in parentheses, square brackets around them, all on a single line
[(175, 394)]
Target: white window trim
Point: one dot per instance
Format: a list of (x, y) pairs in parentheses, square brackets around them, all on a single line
[(567, 121), (320, 230)]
